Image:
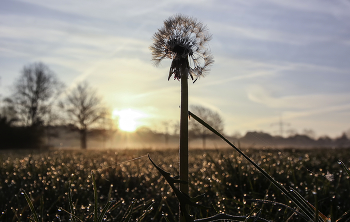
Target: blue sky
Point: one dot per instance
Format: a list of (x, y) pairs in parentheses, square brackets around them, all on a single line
[(273, 59)]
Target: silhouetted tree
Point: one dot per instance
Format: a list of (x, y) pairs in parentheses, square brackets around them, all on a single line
[(212, 118), (342, 141), (8, 111), (106, 127), (310, 133), (166, 125), (84, 108), (34, 94), (347, 133), (291, 132), (13, 136)]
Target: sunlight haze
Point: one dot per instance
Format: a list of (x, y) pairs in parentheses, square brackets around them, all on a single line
[(274, 60), (128, 119)]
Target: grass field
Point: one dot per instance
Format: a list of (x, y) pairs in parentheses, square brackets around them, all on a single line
[(128, 179)]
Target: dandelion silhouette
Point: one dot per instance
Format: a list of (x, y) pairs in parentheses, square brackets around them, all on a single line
[(183, 40)]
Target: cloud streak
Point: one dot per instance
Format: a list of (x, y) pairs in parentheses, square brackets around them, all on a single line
[(271, 56)]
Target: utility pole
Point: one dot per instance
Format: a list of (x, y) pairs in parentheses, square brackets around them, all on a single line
[(166, 131), (281, 124)]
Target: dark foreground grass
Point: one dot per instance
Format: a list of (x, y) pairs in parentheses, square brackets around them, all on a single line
[(230, 184)]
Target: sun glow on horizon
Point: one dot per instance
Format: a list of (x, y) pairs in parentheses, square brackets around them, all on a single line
[(128, 119)]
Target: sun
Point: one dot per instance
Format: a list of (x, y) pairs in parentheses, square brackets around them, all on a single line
[(128, 119)]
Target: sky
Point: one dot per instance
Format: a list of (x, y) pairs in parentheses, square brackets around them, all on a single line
[(275, 60)]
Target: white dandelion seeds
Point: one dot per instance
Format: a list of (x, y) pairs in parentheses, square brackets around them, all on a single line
[(184, 40)]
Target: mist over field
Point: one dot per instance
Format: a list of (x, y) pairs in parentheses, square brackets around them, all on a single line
[(148, 139)]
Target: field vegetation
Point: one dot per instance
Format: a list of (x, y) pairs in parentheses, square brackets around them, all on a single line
[(56, 179)]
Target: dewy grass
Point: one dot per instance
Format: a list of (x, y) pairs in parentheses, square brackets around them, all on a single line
[(310, 212), (99, 214), (186, 201), (297, 199), (31, 206), (231, 184)]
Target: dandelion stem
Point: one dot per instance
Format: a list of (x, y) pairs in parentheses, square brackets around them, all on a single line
[(184, 130)]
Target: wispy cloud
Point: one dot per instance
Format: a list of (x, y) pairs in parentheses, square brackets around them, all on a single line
[(338, 8), (316, 111), (267, 34), (271, 56), (259, 94)]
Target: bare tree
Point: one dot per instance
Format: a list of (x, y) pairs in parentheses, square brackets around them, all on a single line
[(107, 127), (212, 118), (310, 133), (166, 125), (34, 94), (8, 111), (84, 108)]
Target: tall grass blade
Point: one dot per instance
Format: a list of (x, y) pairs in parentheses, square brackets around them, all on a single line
[(116, 205), (345, 217), (165, 218), (169, 208), (229, 217), (109, 196), (277, 204), (257, 216), (70, 201), (128, 213), (95, 198), (146, 212), (316, 210), (343, 165), (307, 206), (104, 211), (42, 207), (31, 206), (295, 200), (73, 216)]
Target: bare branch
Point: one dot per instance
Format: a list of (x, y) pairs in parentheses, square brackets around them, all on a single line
[(84, 108)]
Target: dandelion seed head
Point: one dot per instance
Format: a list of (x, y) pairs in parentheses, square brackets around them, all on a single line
[(183, 40)]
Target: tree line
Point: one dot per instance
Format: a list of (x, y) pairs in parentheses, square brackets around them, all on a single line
[(39, 100)]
